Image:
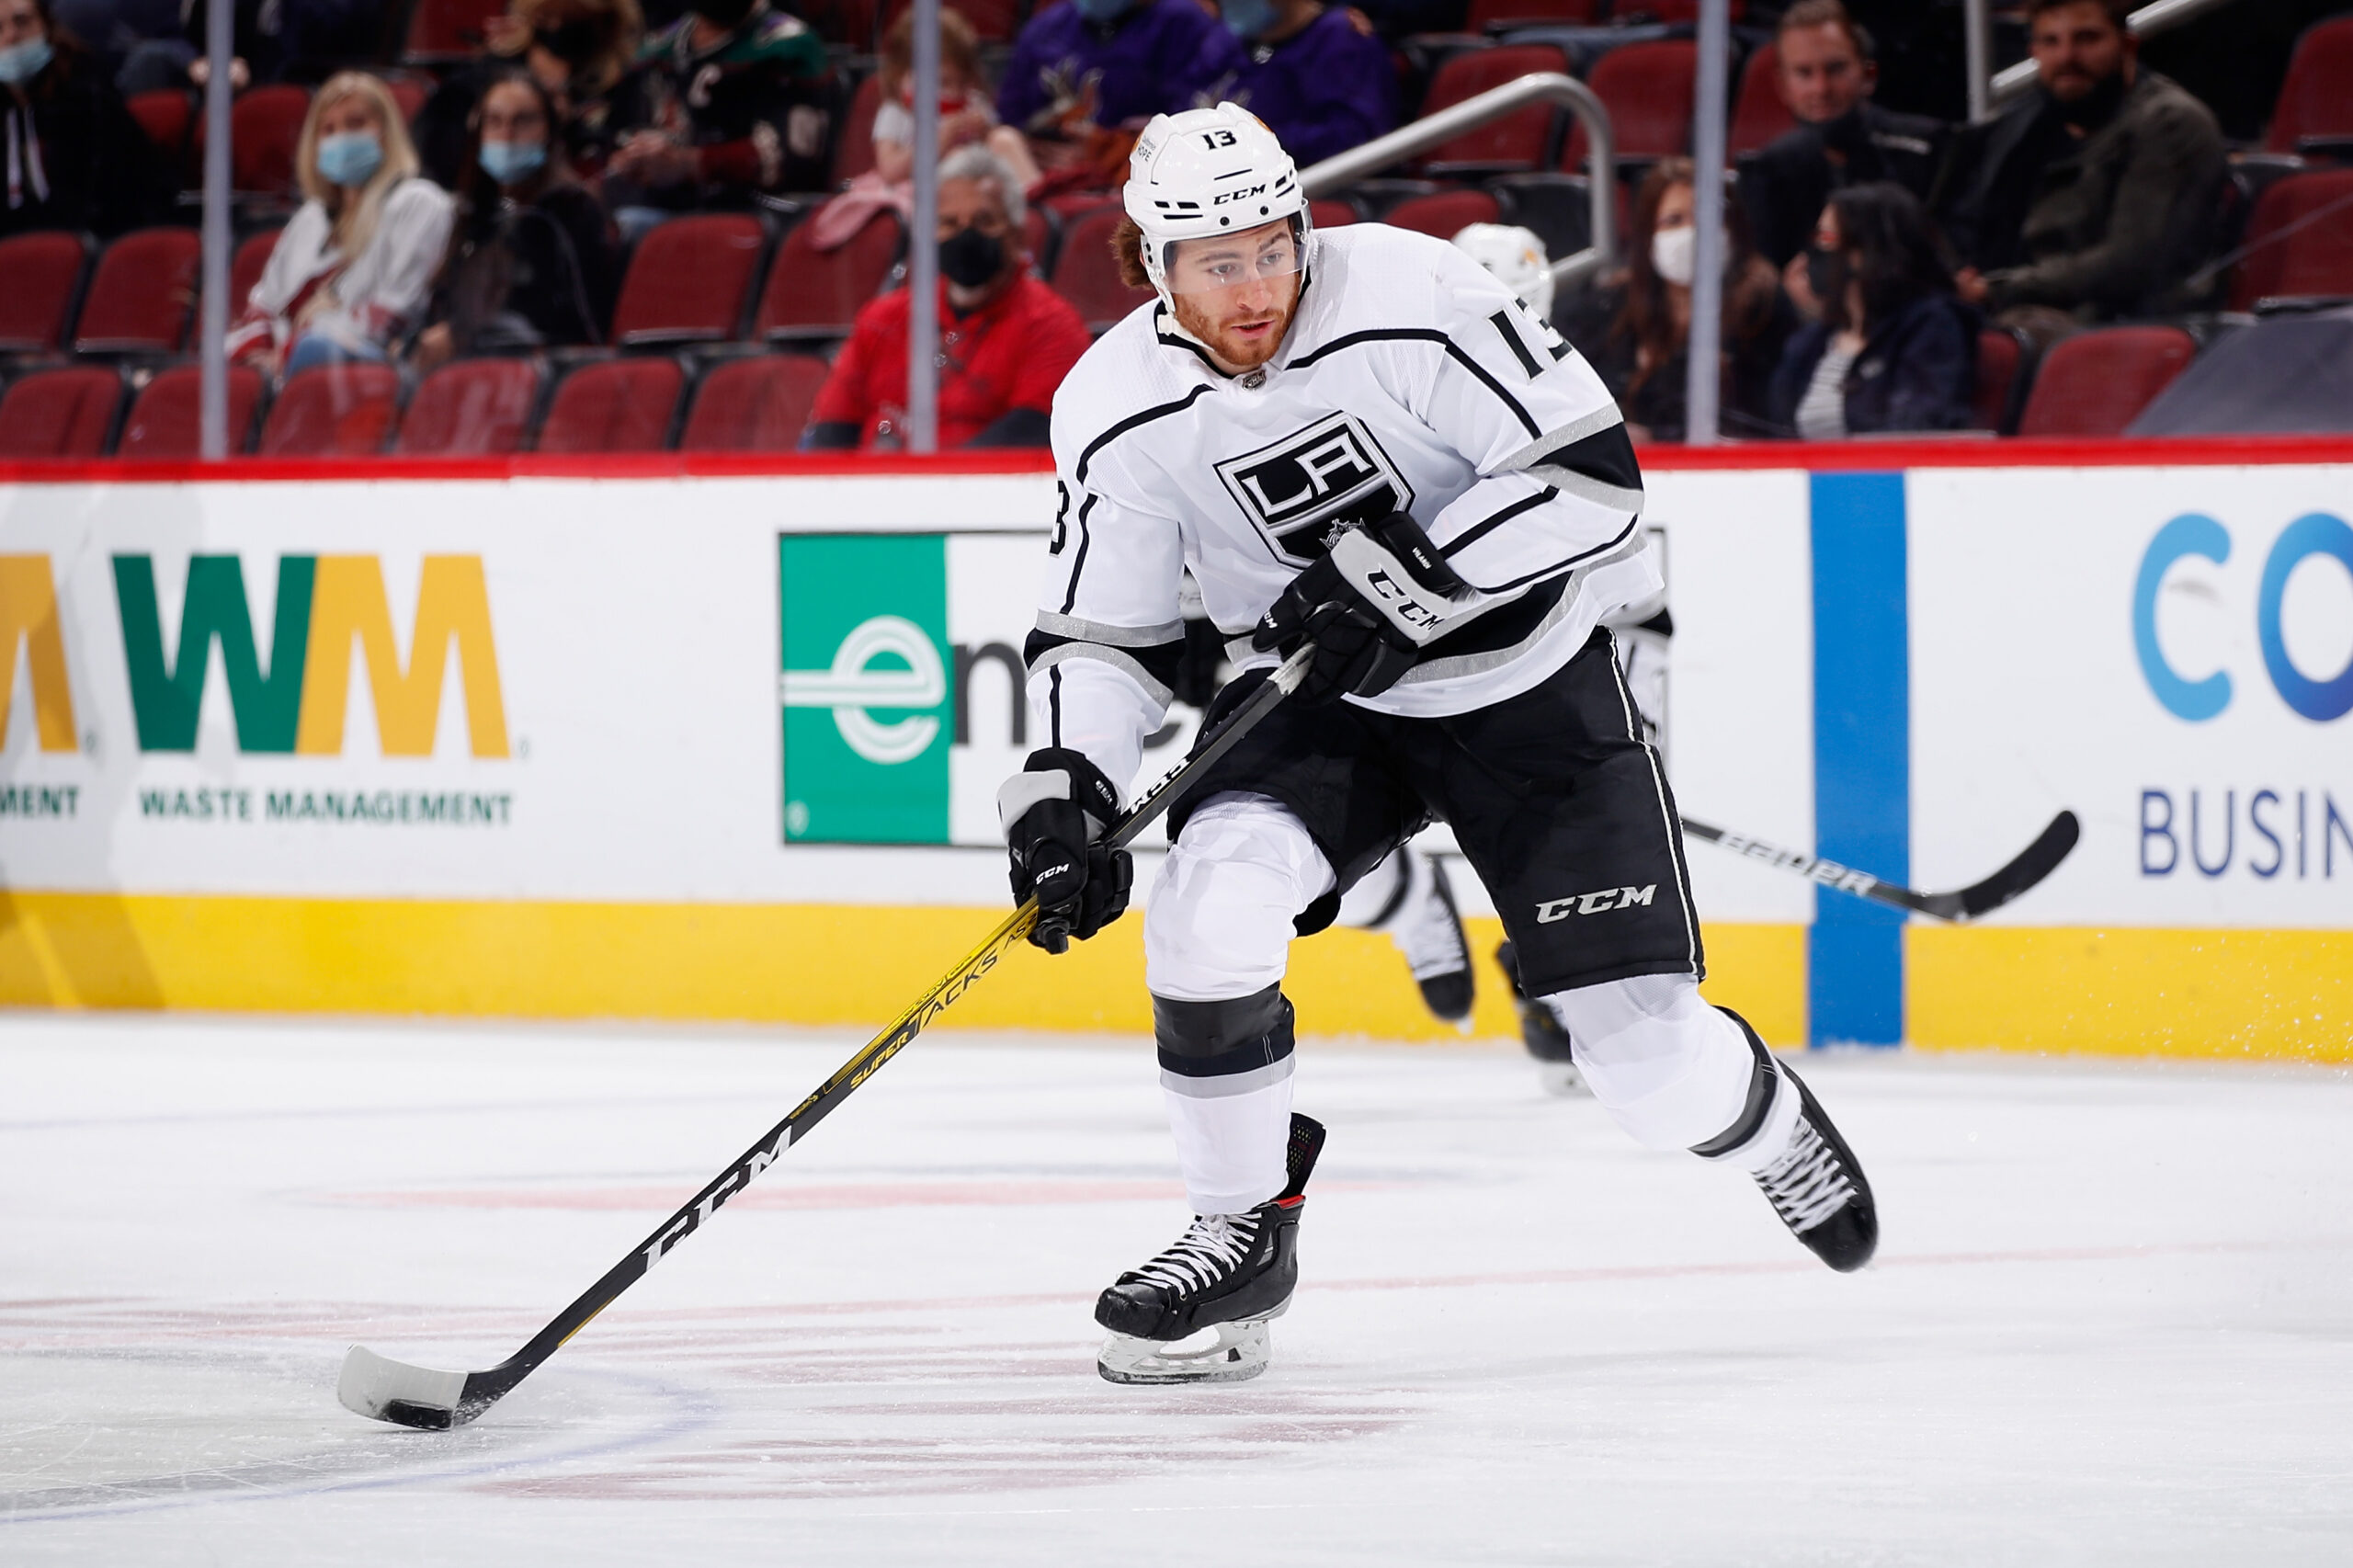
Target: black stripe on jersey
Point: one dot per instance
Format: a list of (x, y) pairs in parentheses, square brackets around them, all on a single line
[(1537, 576), (1518, 349), (1424, 335), (1506, 626), (1054, 706), (1159, 660), (1078, 562), (1607, 455), (1486, 526), (1130, 423)]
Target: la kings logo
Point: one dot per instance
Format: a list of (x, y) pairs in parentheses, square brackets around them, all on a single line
[(1332, 471)]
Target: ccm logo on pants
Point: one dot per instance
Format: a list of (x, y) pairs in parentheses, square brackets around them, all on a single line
[(1600, 902)]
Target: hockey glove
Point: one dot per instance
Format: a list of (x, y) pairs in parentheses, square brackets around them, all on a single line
[(1370, 604), (1053, 811)]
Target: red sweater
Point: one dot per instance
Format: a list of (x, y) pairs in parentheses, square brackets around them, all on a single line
[(1011, 353)]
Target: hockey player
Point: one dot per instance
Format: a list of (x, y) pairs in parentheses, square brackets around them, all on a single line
[(1362, 442)]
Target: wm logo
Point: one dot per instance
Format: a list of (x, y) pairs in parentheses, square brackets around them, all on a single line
[(29, 622)]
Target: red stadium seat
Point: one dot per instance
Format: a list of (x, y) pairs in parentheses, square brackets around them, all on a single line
[(168, 116), (1519, 140), (409, 91), (2096, 382), (140, 298), (1331, 213), (43, 272), (470, 408), (2317, 97), (443, 32), (754, 405), (265, 127), (850, 23), (246, 267), (614, 405), (60, 413), (1648, 88), (2001, 363), (2299, 243), (1087, 275), (334, 411), (1760, 118), (166, 418), (854, 147), (688, 279), (1672, 11), (1495, 16), (996, 22), (815, 293), (1446, 214)]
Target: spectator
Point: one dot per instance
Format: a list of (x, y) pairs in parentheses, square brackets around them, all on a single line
[(1635, 327), (1006, 339), (533, 262), (1893, 349), (2096, 196), (1320, 82), (272, 41), (579, 49), (352, 270), (1826, 76), (727, 103), (111, 30), (1518, 259), (76, 158), (1085, 75)]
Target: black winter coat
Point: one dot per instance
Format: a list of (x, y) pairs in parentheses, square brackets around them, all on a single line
[(101, 171), (1784, 188), (1917, 370)]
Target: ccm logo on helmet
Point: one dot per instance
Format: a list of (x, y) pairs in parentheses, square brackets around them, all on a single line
[(1222, 198), (1600, 902)]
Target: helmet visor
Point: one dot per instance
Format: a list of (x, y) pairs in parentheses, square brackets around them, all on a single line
[(1234, 265)]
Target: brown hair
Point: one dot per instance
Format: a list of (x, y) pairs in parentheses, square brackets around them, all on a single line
[(1647, 318), (1825, 14), (2118, 11), (1127, 249), (959, 50)]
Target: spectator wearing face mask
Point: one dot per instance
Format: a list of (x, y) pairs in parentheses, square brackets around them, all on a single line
[(533, 261), (74, 157), (1321, 84), (726, 104), (1006, 339), (577, 50), (1085, 75), (1825, 77), (352, 271), (1894, 349), (1634, 328), (2096, 195)]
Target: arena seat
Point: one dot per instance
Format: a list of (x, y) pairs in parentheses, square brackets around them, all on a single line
[(1499, 15), (1519, 140), (334, 411), (1759, 118), (43, 270), (688, 280), (166, 419), (614, 405), (1675, 12), (246, 267), (813, 293), (2003, 372), (2316, 100), (1332, 213), (1648, 90), (2299, 243), (168, 116), (470, 408), (265, 126), (854, 144), (759, 404), (1445, 214), (994, 22), (141, 295), (1087, 275), (66, 412), (2094, 384), (444, 33)]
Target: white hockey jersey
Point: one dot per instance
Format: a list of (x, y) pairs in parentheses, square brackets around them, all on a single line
[(1410, 380)]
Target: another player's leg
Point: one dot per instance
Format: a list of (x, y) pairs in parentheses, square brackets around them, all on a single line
[(1407, 898), (1546, 1038), (1218, 926)]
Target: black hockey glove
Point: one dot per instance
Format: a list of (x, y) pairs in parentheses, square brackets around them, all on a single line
[(1369, 606), (1053, 811)]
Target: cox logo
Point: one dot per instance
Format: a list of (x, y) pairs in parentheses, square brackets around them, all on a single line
[(2194, 533)]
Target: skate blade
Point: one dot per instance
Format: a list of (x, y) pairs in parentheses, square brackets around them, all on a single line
[(1561, 1079), (1236, 1353)]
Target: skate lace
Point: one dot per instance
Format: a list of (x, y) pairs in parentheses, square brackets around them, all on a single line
[(1808, 1184), (1213, 1247)]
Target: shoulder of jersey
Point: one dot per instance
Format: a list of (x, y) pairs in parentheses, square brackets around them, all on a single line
[(1376, 277), (1127, 371)]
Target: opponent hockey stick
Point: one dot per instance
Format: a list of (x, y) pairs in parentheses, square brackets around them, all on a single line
[(409, 1395), (2036, 861)]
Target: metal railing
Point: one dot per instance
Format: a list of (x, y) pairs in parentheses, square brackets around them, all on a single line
[(1539, 87), (2147, 22)]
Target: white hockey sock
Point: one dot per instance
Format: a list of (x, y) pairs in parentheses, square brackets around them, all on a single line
[(1230, 1141), (1670, 1069)]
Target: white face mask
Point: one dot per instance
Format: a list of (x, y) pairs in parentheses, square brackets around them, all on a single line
[(1673, 254)]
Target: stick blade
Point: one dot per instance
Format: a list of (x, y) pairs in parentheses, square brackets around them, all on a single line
[(2035, 862), (385, 1389)]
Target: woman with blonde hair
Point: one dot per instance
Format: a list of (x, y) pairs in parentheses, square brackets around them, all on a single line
[(352, 271)]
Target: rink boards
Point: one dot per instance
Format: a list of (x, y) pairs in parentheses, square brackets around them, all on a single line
[(646, 740)]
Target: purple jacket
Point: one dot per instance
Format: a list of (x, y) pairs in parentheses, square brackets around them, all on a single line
[(1160, 57), (1323, 90)]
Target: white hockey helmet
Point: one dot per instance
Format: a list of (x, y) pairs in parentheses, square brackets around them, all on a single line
[(1207, 172), (1517, 258)]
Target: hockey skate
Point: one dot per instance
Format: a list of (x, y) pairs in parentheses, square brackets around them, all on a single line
[(1220, 1284), (1547, 1040), (1818, 1190), (1423, 922)]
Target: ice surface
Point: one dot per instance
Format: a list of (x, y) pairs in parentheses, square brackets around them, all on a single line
[(2112, 1320)]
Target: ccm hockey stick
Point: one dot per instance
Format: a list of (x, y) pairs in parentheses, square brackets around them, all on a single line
[(2036, 861), (408, 1395)]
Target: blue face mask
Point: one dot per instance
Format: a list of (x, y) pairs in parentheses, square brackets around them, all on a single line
[(1249, 19), (349, 159), (21, 63), (1101, 10), (510, 162)]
